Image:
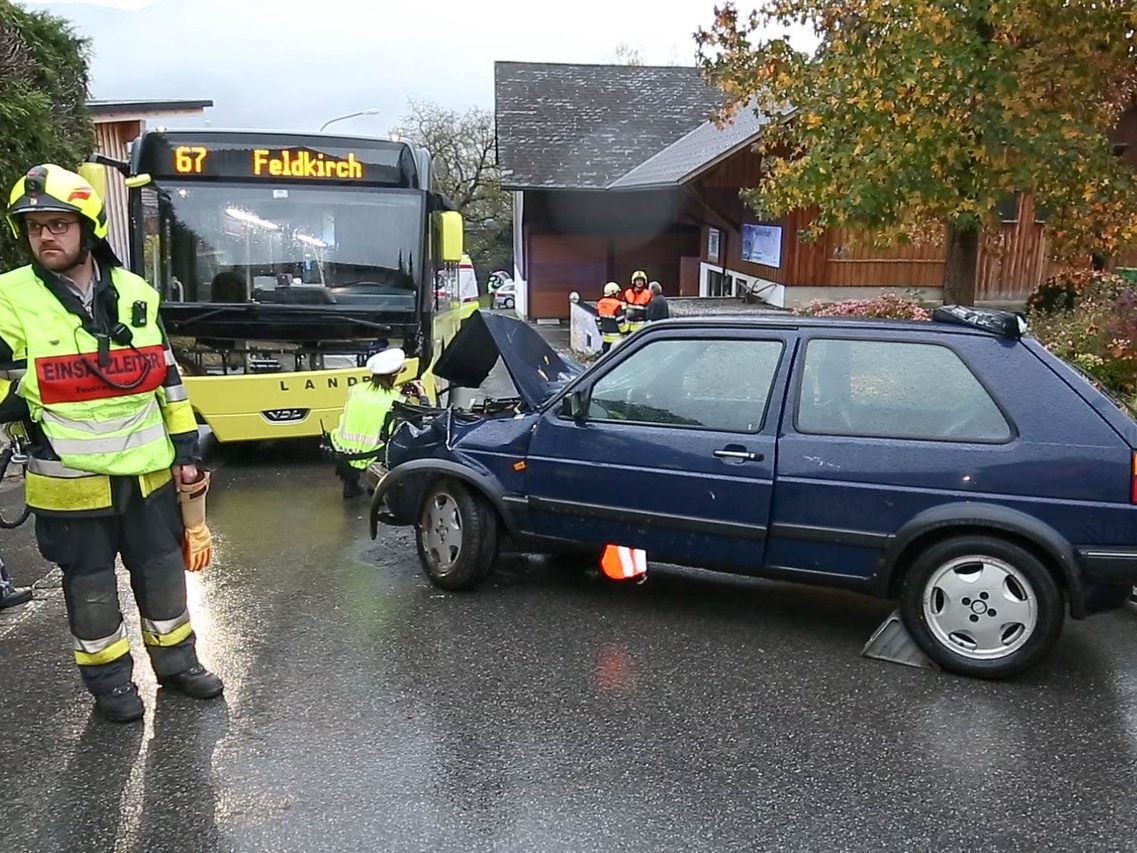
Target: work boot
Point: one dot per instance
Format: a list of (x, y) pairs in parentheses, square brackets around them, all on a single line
[(352, 488), (197, 682), (13, 596), (120, 705)]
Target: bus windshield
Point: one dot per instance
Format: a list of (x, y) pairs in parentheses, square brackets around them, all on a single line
[(301, 245)]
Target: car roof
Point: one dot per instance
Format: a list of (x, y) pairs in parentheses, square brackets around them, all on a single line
[(794, 321)]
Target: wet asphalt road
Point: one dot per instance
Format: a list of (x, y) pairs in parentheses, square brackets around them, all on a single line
[(549, 710)]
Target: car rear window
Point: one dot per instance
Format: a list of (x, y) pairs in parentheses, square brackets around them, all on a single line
[(895, 389)]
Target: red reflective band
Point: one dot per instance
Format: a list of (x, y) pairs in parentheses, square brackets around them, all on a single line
[(1133, 480), (73, 379), (80, 194)]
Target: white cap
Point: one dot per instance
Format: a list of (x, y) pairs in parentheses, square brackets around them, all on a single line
[(387, 362)]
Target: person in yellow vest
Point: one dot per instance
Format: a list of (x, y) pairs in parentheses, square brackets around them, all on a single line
[(359, 438), (111, 428), (610, 317)]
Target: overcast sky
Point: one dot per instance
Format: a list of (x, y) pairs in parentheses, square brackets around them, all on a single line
[(292, 64)]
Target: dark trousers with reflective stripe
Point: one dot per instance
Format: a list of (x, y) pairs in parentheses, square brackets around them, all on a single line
[(148, 535)]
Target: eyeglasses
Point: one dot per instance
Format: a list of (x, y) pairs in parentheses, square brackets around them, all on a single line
[(55, 226)]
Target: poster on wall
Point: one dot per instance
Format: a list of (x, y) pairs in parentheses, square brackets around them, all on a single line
[(713, 244), (762, 244)]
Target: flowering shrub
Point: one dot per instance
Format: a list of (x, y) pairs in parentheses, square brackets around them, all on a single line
[(1092, 323), (889, 306), (1063, 291)]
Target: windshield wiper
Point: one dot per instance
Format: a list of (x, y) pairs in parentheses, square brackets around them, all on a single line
[(281, 314)]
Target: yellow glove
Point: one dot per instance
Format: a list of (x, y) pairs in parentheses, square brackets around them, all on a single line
[(197, 542), (197, 548)]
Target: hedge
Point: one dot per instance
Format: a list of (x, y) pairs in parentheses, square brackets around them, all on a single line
[(43, 103)]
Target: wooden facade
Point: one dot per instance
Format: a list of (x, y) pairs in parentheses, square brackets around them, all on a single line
[(1011, 263), (117, 125), (1125, 140), (113, 138)]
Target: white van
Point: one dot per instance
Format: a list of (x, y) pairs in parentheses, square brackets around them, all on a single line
[(466, 287), (467, 280)]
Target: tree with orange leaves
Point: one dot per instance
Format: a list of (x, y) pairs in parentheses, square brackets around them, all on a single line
[(915, 113)]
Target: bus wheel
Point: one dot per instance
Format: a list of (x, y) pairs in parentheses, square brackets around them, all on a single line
[(456, 535)]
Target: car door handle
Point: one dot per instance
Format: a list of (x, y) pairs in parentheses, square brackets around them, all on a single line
[(744, 455)]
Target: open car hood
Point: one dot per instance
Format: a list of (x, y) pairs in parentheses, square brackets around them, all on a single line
[(535, 368)]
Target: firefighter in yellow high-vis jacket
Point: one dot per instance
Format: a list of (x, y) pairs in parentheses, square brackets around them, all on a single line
[(111, 428)]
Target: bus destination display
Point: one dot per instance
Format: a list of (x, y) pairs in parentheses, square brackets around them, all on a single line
[(275, 163), (384, 163)]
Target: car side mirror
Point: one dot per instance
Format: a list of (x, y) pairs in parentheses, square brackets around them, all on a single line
[(574, 405)]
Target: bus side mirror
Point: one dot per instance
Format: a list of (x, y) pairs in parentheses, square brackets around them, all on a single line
[(452, 229), (96, 175)]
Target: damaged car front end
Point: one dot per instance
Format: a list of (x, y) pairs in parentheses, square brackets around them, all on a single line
[(441, 461)]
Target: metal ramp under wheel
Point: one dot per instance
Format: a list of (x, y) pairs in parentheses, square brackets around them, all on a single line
[(891, 642)]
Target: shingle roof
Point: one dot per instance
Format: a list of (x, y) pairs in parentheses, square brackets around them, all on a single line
[(584, 126), (692, 153)]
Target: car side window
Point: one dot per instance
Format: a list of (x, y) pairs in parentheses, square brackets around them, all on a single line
[(713, 384), (895, 389)]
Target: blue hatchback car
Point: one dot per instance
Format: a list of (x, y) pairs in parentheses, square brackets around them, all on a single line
[(955, 465)]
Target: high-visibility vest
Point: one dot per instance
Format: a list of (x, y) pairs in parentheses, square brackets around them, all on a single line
[(361, 424), (637, 316), (609, 306), (610, 319), (102, 418), (643, 297)]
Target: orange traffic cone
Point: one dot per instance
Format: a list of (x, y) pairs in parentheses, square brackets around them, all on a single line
[(621, 563)]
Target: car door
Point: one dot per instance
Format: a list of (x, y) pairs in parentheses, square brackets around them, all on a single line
[(673, 452), (877, 430)]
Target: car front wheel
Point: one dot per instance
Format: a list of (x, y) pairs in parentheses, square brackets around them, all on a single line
[(981, 606), (508, 302), (456, 536)]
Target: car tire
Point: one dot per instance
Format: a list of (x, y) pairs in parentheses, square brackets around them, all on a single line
[(456, 535), (509, 302), (951, 601)]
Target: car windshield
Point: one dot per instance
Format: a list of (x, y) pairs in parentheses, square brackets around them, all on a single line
[(298, 245), (637, 373)]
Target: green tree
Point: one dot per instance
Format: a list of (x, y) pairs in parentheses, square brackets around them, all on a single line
[(915, 113), (464, 145), (43, 102)]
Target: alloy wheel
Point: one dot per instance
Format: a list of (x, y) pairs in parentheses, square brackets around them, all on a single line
[(980, 607), (442, 531)]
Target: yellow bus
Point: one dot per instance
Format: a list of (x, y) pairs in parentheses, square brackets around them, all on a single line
[(283, 260)]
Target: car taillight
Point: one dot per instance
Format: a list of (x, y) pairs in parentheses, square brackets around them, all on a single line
[(1133, 480)]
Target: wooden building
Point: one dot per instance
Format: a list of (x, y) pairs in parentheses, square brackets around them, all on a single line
[(117, 124), (618, 168)]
